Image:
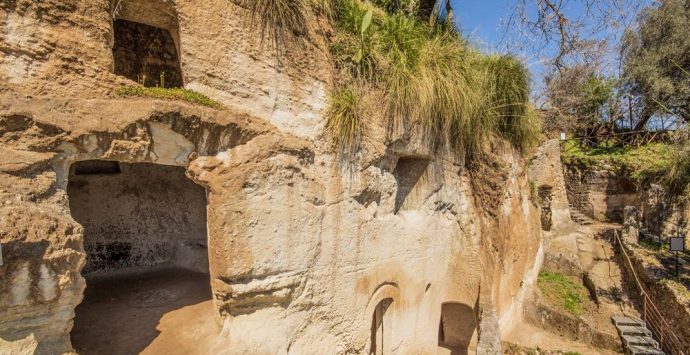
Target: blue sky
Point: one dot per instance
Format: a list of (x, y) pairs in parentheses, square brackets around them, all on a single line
[(481, 20)]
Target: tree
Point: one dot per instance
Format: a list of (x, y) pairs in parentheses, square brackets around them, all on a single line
[(657, 61), (578, 98), (564, 30)]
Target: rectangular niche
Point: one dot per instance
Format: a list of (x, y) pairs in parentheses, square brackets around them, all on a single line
[(146, 54), (408, 173)]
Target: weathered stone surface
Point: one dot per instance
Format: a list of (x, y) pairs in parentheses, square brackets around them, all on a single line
[(546, 172), (301, 249), (600, 193)]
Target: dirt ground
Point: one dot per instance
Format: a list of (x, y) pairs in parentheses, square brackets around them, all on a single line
[(155, 311), (532, 337)]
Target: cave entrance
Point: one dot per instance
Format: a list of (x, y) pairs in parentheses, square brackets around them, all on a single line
[(457, 327), (147, 278)]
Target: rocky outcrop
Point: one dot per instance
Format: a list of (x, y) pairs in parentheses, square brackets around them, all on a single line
[(301, 252)]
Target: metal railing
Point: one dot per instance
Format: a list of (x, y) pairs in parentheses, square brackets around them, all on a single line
[(656, 323)]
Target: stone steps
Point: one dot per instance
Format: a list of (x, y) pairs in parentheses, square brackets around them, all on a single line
[(579, 217), (637, 339)]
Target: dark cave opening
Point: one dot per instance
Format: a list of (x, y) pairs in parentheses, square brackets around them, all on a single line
[(146, 253)]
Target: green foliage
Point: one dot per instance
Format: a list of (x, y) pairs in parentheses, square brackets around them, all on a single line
[(344, 118), (169, 94), (640, 164), (392, 6), (432, 79), (562, 289), (509, 83), (656, 58), (678, 176)]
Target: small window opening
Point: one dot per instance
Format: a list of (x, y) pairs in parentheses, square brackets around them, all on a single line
[(545, 196), (146, 54), (408, 173)]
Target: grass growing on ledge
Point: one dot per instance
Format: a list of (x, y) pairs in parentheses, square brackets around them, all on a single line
[(563, 291), (638, 163), (170, 94)]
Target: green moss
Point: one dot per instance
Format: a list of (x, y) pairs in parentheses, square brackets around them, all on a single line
[(170, 94), (563, 290), (640, 164)]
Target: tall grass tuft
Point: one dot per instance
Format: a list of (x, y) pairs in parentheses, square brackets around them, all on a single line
[(281, 20), (434, 80), (344, 120), (430, 76)]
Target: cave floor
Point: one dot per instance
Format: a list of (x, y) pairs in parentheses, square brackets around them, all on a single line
[(150, 311)]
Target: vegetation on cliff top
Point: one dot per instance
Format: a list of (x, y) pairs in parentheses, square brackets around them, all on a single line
[(419, 75), (430, 78), (662, 163), (640, 164)]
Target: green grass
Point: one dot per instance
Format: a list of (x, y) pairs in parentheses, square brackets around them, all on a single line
[(640, 164), (344, 118), (170, 94), (563, 290), (432, 79), (278, 20)]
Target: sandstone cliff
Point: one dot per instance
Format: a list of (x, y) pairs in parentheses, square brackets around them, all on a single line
[(301, 249)]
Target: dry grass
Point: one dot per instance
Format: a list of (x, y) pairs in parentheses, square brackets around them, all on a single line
[(344, 120), (434, 80), (170, 94)]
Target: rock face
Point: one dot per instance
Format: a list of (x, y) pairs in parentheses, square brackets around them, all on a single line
[(304, 254), (600, 193), (546, 174)]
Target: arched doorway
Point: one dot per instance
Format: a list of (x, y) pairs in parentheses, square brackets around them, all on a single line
[(381, 328), (146, 250)]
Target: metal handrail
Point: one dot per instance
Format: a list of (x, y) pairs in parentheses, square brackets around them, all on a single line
[(668, 340)]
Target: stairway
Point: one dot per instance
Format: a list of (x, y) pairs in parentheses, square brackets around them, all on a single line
[(579, 217), (637, 339)]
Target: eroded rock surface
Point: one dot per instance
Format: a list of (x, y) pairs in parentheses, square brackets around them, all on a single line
[(302, 251)]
